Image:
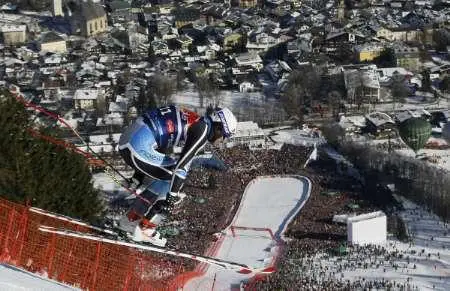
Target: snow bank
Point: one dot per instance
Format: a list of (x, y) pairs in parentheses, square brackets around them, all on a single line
[(14, 279)]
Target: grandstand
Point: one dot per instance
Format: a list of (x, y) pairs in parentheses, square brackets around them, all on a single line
[(248, 133)]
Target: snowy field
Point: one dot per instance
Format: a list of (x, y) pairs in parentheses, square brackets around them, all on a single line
[(441, 158), (231, 99), (268, 203), (436, 157), (104, 182), (421, 264), (14, 279), (388, 107), (295, 137)]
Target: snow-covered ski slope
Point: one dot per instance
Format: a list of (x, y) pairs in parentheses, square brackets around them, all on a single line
[(268, 205), (15, 279)]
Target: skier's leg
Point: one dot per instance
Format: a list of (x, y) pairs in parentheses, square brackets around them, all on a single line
[(150, 217), (176, 196), (137, 177), (140, 206)]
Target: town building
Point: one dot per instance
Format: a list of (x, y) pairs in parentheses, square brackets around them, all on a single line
[(185, 15), (368, 52), (232, 41), (401, 34), (13, 34), (362, 84), (52, 42), (86, 99), (88, 18), (247, 3), (407, 57), (57, 8), (379, 124), (248, 133)]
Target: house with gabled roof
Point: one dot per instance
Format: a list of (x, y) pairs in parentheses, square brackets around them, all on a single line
[(86, 98), (87, 18), (52, 42), (185, 15), (362, 83)]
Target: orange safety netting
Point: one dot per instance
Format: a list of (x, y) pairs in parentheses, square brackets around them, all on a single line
[(79, 262)]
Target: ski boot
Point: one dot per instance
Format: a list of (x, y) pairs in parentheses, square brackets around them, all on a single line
[(146, 232)]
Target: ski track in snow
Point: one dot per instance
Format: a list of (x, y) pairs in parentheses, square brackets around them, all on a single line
[(268, 202)]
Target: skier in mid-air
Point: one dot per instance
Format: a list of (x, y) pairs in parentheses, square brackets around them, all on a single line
[(147, 146)]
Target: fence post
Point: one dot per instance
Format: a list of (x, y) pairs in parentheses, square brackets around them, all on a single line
[(85, 283), (5, 255), (51, 254), (141, 265), (129, 272), (66, 263), (97, 261), (22, 233)]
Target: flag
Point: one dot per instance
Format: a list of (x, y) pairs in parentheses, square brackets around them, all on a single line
[(312, 157)]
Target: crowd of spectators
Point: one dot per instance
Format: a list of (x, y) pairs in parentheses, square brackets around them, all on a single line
[(306, 267), (215, 195)]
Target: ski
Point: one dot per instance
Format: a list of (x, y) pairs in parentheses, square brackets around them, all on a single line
[(228, 265), (72, 220)]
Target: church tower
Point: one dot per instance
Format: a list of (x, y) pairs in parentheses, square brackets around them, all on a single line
[(57, 8), (341, 10)]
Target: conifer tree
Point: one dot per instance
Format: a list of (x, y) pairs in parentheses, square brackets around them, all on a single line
[(36, 171)]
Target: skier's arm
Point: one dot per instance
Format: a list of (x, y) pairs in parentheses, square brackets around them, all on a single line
[(196, 140)]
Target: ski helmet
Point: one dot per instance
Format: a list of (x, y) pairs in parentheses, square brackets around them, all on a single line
[(227, 119)]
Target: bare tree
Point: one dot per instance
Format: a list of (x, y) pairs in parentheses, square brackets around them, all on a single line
[(207, 89), (101, 106), (414, 179), (333, 133), (294, 102), (334, 99), (145, 100), (441, 38), (399, 90), (302, 87), (162, 88), (180, 76)]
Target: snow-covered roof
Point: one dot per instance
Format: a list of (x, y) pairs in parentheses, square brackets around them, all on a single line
[(117, 107), (348, 122), (114, 118), (369, 47), (366, 216), (13, 28), (407, 114), (248, 128), (53, 59), (389, 72), (379, 118), (86, 94), (248, 59)]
